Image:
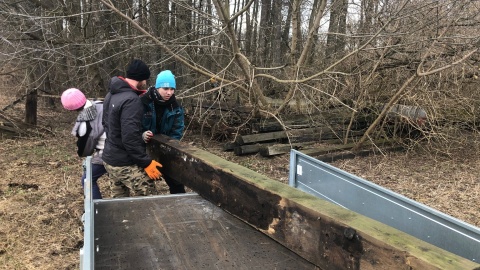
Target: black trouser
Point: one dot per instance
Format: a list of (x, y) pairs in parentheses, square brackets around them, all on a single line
[(175, 186)]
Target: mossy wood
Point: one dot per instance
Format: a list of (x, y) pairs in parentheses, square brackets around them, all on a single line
[(327, 235)]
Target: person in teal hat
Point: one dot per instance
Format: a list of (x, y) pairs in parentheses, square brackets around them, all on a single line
[(162, 114)]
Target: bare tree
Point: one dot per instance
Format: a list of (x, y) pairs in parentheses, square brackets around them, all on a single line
[(349, 55)]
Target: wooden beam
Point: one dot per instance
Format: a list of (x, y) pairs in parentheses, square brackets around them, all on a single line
[(229, 146), (270, 126), (249, 148), (297, 135), (278, 149), (326, 234), (340, 147), (261, 137)]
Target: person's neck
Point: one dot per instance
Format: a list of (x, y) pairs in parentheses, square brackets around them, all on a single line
[(132, 83)]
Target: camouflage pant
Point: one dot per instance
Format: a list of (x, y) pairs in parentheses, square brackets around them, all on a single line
[(130, 178)]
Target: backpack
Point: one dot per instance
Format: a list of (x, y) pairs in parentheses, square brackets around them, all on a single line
[(86, 144)]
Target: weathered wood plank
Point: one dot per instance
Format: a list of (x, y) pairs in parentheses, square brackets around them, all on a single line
[(278, 149), (261, 137), (229, 146), (329, 236), (340, 147), (270, 126), (249, 149), (295, 135)]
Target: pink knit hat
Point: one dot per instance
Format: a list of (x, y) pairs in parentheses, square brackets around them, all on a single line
[(73, 99)]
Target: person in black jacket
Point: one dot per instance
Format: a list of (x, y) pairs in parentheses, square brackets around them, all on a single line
[(125, 156)]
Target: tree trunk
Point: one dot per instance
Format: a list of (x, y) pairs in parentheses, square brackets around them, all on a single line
[(31, 108), (264, 33), (336, 30), (276, 39)]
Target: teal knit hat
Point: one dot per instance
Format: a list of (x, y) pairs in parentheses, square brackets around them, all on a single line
[(165, 79)]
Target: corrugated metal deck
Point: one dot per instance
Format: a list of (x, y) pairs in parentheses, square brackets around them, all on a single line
[(181, 232)]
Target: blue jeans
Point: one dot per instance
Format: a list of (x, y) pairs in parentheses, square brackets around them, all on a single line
[(97, 171)]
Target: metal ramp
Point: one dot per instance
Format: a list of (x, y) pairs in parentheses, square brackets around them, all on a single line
[(363, 197)]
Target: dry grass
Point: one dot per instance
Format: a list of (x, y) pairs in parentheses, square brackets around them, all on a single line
[(41, 202), (41, 198), (449, 185)]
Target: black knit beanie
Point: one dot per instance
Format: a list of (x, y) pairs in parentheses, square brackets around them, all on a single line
[(138, 71)]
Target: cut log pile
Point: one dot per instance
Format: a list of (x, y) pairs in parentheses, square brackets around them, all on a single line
[(317, 135), (274, 138)]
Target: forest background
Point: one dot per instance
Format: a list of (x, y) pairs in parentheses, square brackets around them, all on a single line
[(279, 58)]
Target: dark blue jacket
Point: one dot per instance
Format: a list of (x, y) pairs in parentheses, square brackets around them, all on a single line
[(122, 117), (171, 124)]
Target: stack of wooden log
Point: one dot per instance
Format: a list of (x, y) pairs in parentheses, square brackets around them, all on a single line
[(323, 133), (271, 137)]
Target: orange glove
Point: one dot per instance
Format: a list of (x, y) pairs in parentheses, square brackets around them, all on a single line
[(153, 171)]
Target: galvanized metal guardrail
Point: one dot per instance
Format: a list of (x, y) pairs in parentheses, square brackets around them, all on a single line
[(366, 198)]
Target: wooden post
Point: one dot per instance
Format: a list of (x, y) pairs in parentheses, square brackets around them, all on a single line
[(31, 108)]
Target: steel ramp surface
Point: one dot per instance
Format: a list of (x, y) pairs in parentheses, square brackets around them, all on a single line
[(181, 232)]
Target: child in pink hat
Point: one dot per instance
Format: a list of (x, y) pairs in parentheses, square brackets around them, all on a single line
[(89, 131), (73, 99)]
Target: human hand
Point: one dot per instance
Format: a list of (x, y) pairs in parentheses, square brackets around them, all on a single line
[(152, 170), (147, 135)]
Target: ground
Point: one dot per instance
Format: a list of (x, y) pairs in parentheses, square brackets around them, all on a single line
[(41, 200)]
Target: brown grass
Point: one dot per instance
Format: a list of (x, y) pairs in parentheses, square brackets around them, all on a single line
[(41, 201)]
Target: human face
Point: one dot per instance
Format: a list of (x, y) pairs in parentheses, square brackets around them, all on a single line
[(166, 93), (142, 85)]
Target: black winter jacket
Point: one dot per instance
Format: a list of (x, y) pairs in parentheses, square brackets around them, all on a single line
[(122, 119)]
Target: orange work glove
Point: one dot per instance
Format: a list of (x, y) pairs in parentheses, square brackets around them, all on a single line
[(153, 171)]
